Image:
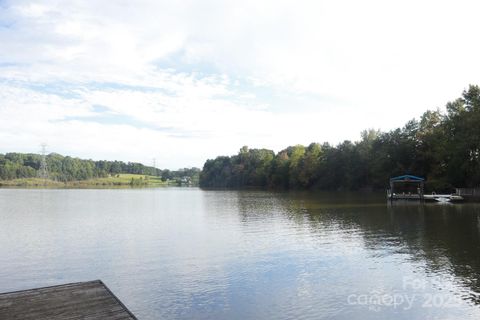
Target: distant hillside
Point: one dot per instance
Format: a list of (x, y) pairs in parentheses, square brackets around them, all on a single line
[(15, 166)]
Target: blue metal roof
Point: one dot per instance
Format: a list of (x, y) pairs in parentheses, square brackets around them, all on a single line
[(407, 177)]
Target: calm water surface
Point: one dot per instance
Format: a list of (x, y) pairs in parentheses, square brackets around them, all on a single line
[(179, 253)]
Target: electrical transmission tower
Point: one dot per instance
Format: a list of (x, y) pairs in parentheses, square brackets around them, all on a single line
[(43, 171), (154, 167)]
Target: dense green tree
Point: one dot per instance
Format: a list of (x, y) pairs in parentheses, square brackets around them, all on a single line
[(444, 148), (462, 128)]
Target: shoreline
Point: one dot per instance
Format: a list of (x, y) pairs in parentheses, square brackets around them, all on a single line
[(111, 182)]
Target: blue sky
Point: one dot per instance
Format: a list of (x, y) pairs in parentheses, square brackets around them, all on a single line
[(183, 82)]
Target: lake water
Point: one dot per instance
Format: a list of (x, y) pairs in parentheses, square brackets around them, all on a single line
[(184, 253)]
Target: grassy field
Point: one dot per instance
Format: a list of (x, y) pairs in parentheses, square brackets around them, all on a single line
[(120, 180)]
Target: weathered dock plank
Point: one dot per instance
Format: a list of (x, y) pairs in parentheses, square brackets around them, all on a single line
[(85, 300)]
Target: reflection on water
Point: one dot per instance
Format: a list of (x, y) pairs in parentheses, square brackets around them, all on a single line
[(192, 254)]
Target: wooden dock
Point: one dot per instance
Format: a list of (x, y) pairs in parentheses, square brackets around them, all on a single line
[(413, 189), (426, 197), (85, 300)]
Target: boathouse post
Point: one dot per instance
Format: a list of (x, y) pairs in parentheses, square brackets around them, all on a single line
[(391, 190), (422, 188)]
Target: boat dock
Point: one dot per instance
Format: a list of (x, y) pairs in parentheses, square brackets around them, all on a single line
[(426, 197), (412, 188), (84, 300)]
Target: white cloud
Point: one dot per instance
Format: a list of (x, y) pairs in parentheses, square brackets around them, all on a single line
[(206, 77)]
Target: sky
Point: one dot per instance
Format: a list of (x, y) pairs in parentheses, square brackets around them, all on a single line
[(185, 81)]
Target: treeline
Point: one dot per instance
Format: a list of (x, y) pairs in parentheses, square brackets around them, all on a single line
[(61, 168), (442, 147)]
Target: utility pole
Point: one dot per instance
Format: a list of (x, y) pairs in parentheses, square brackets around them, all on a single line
[(43, 170)]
